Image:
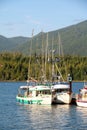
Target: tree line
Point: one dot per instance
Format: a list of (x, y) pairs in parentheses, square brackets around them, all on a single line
[(18, 67)]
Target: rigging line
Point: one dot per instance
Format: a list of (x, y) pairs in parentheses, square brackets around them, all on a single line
[(59, 72)]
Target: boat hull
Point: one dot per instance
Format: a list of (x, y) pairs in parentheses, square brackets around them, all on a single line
[(81, 103), (63, 98), (63, 93), (34, 100)]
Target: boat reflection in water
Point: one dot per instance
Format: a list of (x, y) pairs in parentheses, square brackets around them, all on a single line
[(54, 117)]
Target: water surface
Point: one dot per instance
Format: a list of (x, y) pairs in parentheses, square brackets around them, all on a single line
[(15, 116)]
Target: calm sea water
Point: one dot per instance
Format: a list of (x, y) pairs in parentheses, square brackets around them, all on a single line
[(14, 116)]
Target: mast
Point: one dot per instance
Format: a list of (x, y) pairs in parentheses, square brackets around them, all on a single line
[(60, 46), (60, 54), (52, 61), (30, 58), (42, 61), (46, 55)]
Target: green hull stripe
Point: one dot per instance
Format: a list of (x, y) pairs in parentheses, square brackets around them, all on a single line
[(29, 101)]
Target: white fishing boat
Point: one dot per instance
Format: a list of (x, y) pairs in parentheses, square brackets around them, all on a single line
[(82, 97), (62, 88), (35, 93), (38, 94), (63, 95)]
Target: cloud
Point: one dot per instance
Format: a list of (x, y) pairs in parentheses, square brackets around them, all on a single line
[(78, 20), (37, 23), (11, 24), (33, 21), (8, 24)]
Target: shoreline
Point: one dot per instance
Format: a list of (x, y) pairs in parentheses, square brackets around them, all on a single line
[(26, 81)]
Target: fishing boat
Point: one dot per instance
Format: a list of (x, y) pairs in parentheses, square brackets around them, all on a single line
[(38, 94), (63, 92), (82, 97), (62, 88)]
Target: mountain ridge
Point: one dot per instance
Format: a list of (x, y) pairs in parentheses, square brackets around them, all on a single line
[(73, 39)]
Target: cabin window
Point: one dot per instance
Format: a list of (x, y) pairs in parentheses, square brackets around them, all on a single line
[(44, 92), (61, 90)]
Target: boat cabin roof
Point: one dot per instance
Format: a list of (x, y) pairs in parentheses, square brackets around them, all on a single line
[(39, 88), (24, 87), (61, 86)]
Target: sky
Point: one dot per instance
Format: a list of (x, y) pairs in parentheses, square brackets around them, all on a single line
[(20, 17)]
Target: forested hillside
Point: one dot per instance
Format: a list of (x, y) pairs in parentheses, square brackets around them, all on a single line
[(14, 67)]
